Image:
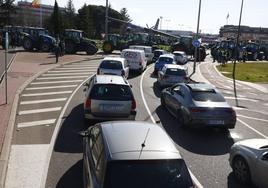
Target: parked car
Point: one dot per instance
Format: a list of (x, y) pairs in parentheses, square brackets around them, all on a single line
[(135, 58), (132, 154), (180, 57), (109, 97), (198, 105), (249, 161), (172, 74), (157, 53), (114, 66), (163, 59), (147, 49)]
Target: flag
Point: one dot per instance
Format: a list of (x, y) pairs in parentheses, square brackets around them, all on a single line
[(36, 4), (227, 16)]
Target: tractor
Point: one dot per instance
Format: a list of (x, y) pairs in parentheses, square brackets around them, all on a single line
[(37, 38), (75, 42), (254, 51), (185, 44)]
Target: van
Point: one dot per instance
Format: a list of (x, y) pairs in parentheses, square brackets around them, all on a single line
[(136, 59), (147, 49)]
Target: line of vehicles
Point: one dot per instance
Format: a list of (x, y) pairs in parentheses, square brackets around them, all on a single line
[(127, 153)]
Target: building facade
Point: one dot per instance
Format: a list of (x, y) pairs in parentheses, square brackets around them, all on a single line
[(255, 34)]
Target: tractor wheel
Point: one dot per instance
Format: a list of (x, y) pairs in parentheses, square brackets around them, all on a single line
[(69, 47), (27, 44), (107, 47), (44, 47), (91, 49)]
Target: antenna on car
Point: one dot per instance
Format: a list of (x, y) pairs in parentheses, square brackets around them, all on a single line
[(143, 144)]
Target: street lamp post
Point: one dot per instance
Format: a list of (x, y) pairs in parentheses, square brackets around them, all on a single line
[(106, 21)]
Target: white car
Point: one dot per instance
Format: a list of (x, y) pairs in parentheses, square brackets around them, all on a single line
[(147, 49), (249, 161), (180, 57), (135, 58), (114, 66)]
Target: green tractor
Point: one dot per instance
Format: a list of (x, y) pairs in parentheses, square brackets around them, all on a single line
[(185, 44), (120, 42), (75, 42)]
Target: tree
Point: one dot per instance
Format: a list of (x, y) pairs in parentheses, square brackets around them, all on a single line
[(7, 7), (70, 16), (86, 20), (56, 20), (125, 15)]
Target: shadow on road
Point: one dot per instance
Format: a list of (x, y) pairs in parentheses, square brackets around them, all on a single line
[(233, 183), (199, 141), (68, 140), (73, 177)]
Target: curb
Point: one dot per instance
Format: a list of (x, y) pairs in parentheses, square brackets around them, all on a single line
[(8, 66), (4, 155), (253, 85)]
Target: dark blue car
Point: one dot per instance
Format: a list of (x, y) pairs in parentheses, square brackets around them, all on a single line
[(162, 60)]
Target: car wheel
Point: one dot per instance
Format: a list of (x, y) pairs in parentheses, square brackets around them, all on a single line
[(241, 170)]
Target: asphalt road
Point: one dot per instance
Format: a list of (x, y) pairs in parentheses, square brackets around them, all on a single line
[(205, 151)]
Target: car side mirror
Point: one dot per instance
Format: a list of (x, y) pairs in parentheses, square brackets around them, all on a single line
[(86, 84), (83, 134), (265, 157)]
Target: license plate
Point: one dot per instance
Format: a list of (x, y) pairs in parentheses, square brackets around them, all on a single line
[(216, 122), (110, 107)]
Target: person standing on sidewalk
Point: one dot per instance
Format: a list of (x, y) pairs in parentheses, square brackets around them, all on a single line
[(57, 49)]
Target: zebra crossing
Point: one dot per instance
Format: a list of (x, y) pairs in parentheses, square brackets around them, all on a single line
[(39, 108)]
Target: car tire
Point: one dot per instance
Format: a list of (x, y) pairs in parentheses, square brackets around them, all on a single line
[(27, 44), (241, 170)]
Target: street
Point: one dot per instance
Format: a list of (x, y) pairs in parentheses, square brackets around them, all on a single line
[(50, 115)]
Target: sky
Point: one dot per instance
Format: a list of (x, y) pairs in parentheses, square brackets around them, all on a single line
[(182, 14)]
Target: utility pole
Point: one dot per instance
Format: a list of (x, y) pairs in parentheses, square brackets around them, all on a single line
[(106, 21), (6, 49), (196, 37), (236, 53)]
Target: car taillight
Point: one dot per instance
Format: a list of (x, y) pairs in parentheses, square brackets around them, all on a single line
[(88, 103), (98, 71), (133, 104), (196, 110)]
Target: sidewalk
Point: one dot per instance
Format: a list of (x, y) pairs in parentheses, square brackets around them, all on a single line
[(24, 66)]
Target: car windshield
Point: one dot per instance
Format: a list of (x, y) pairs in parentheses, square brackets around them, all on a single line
[(157, 53), (111, 92), (176, 72), (207, 96), (110, 64), (147, 174), (167, 60), (177, 54)]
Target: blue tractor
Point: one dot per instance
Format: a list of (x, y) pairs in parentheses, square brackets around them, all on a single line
[(37, 38)]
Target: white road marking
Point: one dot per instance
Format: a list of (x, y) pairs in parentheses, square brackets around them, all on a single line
[(55, 82), (25, 166), (82, 68), (240, 85), (258, 132), (43, 101), (47, 93), (244, 99), (63, 77), (65, 74), (50, 87), (36, 111), (69, 71), (195, 180), (264, 120), (36, 123)]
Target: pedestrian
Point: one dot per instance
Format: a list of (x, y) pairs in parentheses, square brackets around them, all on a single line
[(57, 49), (62, 47)]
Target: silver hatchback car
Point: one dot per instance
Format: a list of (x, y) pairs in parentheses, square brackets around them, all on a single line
[(132, 154), (109, 97)]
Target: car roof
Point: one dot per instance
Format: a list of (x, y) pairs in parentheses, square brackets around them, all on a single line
[(179, 52), (124, 140), (158, 50), (114, 59), (139, 46), (167, 55), (110, 79), (201, 87), (133, 50), (174, 66)]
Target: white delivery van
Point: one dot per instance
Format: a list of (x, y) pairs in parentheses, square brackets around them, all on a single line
[(135, 58), (147, 49)]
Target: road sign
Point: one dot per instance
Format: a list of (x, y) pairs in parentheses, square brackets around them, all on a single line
[(196, 43), (6, 41)]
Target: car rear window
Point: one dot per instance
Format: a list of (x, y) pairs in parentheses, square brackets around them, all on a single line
[(166, 59), (130, 55), (207, 96), (176, 72), (147, 173), (178, 54), (111, 92), (108, 64)]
